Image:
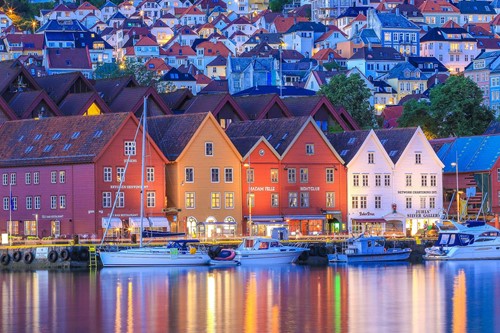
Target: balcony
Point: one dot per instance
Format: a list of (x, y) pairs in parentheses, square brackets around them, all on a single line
[(456, 50)]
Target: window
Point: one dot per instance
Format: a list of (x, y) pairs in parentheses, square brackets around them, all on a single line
[(6, 203), (355, 202), (209, 149), (106, 199), (330, 199), (29, 203), (304, 199), (378, 180), (150, 199), (371, 159), (274, 200), (62, 177), (215, 200), (27, 178), (292, 174), (129, 148), (62, 202), (228, 175), (38, 201), (251, 199), (408, 202), (36, 178), (387, 180), (304, 175), (250, 176), (424, 180), (365, 180), (378, 202), (274, 175), (121, 199), (362, 202), (189, 200), (108, 174), (309, 149), (214, 175), (120, 174), (422, 202), (53, 202), (229, 200), (418, 158), (433, 180), (5, 178), (189, 175), (13, 180), (330, 175), (408, 180), (53, 177), (292, 199), (355, 180), (432, 202), (150, 174)]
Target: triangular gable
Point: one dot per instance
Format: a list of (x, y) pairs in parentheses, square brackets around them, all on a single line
[(41, 97), (15, 78), (275, 102), (83, 103), (420, 134), (59, 85), (371, 135), (201, 102), (256, 145), (8, 114), (344, 118)]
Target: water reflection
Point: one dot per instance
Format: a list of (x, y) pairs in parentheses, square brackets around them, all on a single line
[(435, 297)]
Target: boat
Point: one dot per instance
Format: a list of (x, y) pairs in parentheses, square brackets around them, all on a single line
[(471, 240), (369, 249), (158, 234), (181, 252), (224, 257), (174, 253), (269, 251)]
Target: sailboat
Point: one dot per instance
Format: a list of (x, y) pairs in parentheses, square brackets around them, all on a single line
[(175, 253)]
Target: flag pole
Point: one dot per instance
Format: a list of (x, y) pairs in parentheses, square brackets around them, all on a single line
[(9, 227)]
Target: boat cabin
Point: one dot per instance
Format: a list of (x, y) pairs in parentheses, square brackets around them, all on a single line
[(365, 245), (259, 244)]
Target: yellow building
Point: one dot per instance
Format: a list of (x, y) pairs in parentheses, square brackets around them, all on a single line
[(204, 177)]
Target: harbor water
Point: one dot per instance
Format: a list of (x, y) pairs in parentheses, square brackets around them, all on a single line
[(429, 297)]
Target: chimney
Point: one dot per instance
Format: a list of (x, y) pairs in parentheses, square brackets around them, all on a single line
[(397, 11), (369, 46)]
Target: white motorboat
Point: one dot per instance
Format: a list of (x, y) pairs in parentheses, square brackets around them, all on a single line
[(175, 253), (261, 250), (224, 258), (472, 240), (369, 249)]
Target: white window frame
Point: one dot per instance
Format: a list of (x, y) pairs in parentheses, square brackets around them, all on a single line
[(107, 174), (129, 148), (190, 200)]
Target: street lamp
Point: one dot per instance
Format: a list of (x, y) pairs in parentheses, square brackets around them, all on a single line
[(455, 164), (249, 200)]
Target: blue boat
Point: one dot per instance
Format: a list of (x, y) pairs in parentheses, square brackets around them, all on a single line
[(369, 249)]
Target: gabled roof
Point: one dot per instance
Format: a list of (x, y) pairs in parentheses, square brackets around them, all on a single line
[(57, 140), (347, 144), (258, 106), (24, 103), (307, 26), (475, 153), (174, 100), (59, 85), (218, 61), (213, 49), (475, 7), (395, 21), (377, 53), (395, 140), (284, 91), (132, 100), (146, 41), (283, 24), (214, 103), (87, 6), (215, 87), (438, 6), (175, 75), (68, 59), (78, 104), (109, 89), (447, 35)]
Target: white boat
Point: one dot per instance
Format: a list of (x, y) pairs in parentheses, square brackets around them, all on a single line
[(472, 240), (369, 249), (175, 253), (224, 258), (261, 250)]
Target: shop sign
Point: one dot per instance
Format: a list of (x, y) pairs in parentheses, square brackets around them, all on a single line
[(366, 214), (417, 192), (309, 188), (262, 188), (423, 214)]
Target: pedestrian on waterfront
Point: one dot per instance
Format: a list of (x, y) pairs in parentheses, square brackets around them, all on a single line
[(425, 228)]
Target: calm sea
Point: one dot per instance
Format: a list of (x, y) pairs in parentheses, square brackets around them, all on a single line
[(430, 297)]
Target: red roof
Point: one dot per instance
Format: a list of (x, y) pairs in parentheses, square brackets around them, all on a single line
[(146, 41), (69, 59), (391, 115), (87, 6)]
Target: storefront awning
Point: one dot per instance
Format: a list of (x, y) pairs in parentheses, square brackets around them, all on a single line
[(305, 217), (135, 222), (257, 218), (114, 222), (270, 223), (159, 222), (369, 220)]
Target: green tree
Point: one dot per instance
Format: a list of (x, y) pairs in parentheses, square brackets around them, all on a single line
[(352, 94), (416, 113)]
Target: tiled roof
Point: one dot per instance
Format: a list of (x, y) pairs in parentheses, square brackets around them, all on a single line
[(377, 53), (302, 105), (244, 144), (307, 26), (390, 20), (202, 79), (391, 115), (218, 61), (57, 86), (395, 140), (255, 105), (347, 144), (475, 7), (285, 91), (146, 41), (214, 87), (172, 133), (28, 41), (69, 59), (174, 100), (108, 89), (129, 99), (438, 6), (78, 104), (283, 24), (57, 140), (213, 49), (279, 132)]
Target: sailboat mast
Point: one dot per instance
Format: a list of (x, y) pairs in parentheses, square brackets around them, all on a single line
[(143, 161)]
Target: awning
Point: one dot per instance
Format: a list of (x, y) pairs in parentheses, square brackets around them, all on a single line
[(270, 223), (159, 222), (217, 223), (114, 222), (369, 220), (135, 222), (305, 217), (257, 218)]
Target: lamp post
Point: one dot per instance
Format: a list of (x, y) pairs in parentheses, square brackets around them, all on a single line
[(249, 199), (455, 164)]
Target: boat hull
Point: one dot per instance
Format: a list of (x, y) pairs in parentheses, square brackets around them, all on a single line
[(469, 252), (153, 257), (386, 256), (268, 257)]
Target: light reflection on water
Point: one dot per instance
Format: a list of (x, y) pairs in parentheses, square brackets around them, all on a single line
[(430, 297)]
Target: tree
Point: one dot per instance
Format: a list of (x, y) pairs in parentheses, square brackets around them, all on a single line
[(351, 93), (455, 109)]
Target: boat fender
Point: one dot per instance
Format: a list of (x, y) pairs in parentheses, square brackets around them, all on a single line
[(84, 254), (65, 254), (192, 250), (28, 257), (5, 259), (17, 256), (53, 256)]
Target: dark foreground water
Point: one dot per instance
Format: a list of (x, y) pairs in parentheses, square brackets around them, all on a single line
[(431, 297)]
